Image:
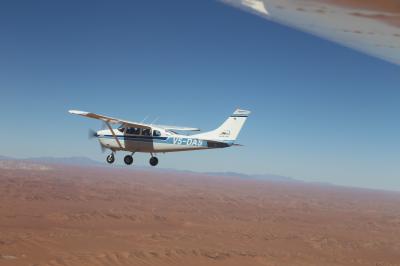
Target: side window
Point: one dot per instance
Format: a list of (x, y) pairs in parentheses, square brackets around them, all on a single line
[(133, 131), (156, 133), (146, 132)]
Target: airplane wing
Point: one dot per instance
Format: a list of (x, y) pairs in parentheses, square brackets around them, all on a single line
[(108, 119), (178, 128), (113, 120), (372, 27)]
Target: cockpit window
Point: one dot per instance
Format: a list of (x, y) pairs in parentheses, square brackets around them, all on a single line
[(146, 132), (121, 129), (156, 133), (133, 131)]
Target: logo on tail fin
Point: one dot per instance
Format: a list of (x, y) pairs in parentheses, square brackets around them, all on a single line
[(225, 133)]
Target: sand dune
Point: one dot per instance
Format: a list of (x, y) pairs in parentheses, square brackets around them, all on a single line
[(99, 216)]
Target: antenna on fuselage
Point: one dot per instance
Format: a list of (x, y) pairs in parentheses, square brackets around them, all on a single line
[(144, 119), (155, 120)]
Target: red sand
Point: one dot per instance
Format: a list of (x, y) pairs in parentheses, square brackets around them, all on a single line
[(100, 216)]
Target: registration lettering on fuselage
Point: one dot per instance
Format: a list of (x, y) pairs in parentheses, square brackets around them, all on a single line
[(187, 141)]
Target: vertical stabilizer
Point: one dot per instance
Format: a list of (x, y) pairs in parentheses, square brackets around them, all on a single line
[(229, 130)]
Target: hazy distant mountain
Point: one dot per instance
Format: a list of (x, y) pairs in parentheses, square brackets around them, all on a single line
[(8, 163), (85, 161), (78, 161), (258, 177)]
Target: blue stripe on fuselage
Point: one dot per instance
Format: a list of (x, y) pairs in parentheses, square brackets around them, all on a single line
[(135, 137), (184, 141)]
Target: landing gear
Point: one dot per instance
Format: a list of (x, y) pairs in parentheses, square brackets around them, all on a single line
[(110, 158), (128, 159), (153, 161)]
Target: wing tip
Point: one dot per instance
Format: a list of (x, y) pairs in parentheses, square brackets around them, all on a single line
[(77, 112)]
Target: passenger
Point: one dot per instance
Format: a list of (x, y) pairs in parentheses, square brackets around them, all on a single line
[(146, 132)]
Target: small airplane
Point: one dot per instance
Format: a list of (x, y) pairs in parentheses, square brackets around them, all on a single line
[(148, 138)]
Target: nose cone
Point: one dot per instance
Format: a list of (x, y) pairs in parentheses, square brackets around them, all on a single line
[(101, 133), (92, 134)]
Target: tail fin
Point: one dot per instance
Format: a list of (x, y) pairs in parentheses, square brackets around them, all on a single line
[(229, 130)]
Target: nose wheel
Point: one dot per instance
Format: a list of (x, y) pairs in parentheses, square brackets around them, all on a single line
[(153, 161), (128, 159), (110, 158)]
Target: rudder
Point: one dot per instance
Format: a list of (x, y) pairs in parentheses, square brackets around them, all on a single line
[(230, 129)]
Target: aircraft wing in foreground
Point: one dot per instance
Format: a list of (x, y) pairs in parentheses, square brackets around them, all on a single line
[(370, 26)]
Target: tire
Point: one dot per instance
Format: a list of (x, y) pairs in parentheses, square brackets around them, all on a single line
[(128, 159), (153, 161), (110, 158)]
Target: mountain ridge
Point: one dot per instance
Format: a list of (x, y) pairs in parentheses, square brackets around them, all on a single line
[(85, 161)]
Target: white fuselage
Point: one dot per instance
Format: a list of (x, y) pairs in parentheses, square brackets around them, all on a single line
[(154, 140)]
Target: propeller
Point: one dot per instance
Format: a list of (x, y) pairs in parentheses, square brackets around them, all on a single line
[(93, 134)]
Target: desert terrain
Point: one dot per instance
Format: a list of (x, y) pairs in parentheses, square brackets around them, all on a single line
[(70, 215)]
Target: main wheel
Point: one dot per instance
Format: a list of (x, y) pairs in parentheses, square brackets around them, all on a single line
[(110, 158), (128, 159), (153, 161)]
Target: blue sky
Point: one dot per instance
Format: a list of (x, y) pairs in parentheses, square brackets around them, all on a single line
[(321, 112)]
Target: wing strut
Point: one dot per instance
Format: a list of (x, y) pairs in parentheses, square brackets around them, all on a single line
[(113, 133)]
